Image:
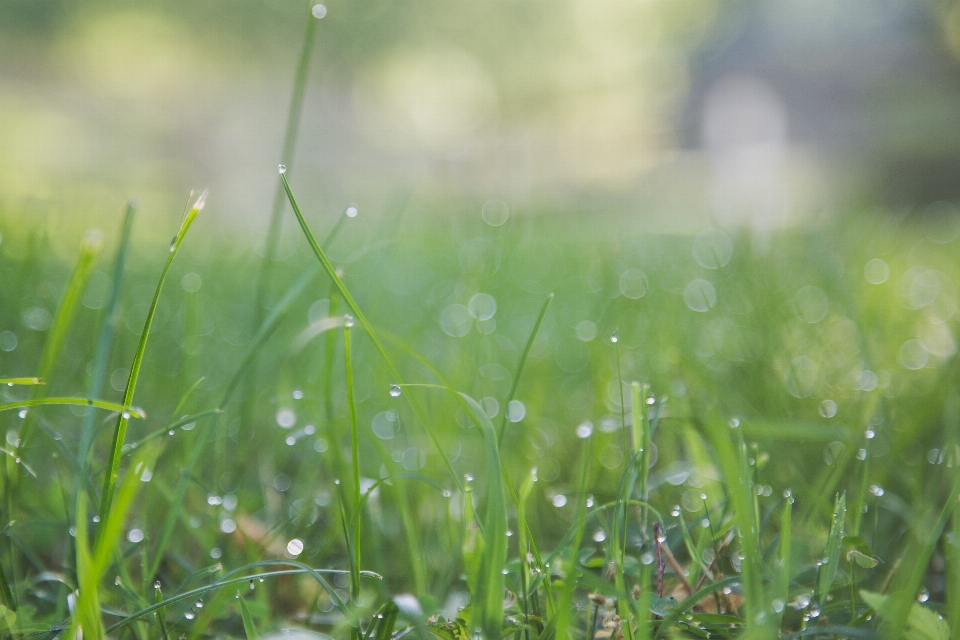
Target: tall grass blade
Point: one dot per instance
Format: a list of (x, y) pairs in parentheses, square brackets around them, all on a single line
[(738, 483), (523, 362), (831, 557), (101, 354), (367, 327), (355, 454), (119, 435), (132, 412), (641, 442), (11, 382), (786, 539), (571, 568)]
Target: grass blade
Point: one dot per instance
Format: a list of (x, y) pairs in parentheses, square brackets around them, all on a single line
[(132, 412), (89, 249), (355, 452), (101, 355), (10, 382), (367, 327), (571, 569), (523, 361), (113, 467), (248, 627), (831, 557)]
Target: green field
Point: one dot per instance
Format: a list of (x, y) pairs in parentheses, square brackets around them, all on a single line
[(443, 416)]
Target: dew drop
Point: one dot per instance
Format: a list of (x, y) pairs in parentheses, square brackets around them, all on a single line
[(876, 490), (646, 558), (559, 500), (614, 337), (394, 390), (675, 512), (156, 585), (348, 321), (22, 413), (297, 394), (734, 422), (189, 614), (282, 168), (599, 535), (584, 430), (318, 11), (295, 547), (352, 211), (447, 493), (923, 596), (869, 434), (198, 604), (861, 454)]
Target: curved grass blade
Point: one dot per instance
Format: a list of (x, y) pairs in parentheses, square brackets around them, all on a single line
[(570, 581), (523, 361), (227, 580), (101, 355), (367, 327), (113, 467), (134, 412), (828, 570)]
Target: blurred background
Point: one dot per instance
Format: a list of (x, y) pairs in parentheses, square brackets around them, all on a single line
[(674, 114)]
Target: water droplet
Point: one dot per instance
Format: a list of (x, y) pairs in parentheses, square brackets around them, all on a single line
[(559, 500), (777, 605), (297, 394), (171, 432), (348, 321), (614, 338), (734, 422), (869, 434), (394, 390), (599, 535), (295, 547), (22, 413), (252, 586), (213, 500), (447, 493), (876, 490), (135, 536), (319, 11), (509, 533), (96, 518), (189, 614), (828, 408), (198, 604), (282, 168), (286, 417), (589, 502), (861, 454), (675, 512), (923, 596), (646, 558), (156, 585), (585, 430), (291, 441)]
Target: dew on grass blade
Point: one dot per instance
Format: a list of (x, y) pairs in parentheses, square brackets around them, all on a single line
[(559, 500), (352, 210), (828, 408), (282, 168), (189, 614), (395, 390), (869, 434), (214, 500), (135, 536), (599, 535), (286, 418), (297, 394), (923, 596), (516, 411), (495, 212), (613, 337), (876, 490), (295, 547), (348, 321), (198, 604), (584, 429)]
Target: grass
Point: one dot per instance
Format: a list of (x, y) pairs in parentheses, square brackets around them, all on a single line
[(522, 441)]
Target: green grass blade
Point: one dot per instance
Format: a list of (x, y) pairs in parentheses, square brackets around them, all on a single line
[(367, 327), (248, 627), (739, 488), (641, 442), (571, 569), (523, 361), (89, 250), (10, 382), (786, 539), (132, 412), (113, 467), (101, 354), (831, 557), (355, 454)]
